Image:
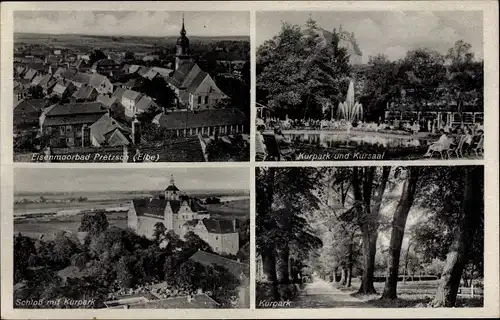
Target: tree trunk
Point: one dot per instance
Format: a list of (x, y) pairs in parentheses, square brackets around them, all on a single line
[(369, 251), (458, 255), (342, 276), (349, 277), (398, 231), (269, 266), (369, 216), (282, 259), (349, 264)]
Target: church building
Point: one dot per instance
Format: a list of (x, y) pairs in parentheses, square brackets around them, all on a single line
[(181, 213), (195, 89)]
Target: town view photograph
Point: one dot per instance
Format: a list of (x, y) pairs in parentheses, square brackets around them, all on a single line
[(131, 86), (366, 85), (370, 237), (131, 238)]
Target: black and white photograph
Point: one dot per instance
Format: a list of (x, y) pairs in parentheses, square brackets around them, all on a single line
[(369, 85), (131, 86), (131, 238), (370, 237)]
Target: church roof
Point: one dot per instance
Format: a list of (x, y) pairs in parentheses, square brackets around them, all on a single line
[(171, 188), (184, 75)]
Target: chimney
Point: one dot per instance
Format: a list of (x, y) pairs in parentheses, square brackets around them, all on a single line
[(234, 224)]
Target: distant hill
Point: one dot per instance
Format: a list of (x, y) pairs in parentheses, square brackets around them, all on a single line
[(18, 36)]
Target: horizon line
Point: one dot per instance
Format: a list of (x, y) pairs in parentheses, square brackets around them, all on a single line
[(129, 35)]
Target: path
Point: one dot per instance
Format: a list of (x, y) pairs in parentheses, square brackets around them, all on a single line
[(322, 294)]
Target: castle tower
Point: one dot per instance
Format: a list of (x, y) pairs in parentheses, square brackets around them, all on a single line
[(182, 47), (172, 192)]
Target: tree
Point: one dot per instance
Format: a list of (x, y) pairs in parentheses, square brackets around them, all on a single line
[(158, 89), (95, 223), (159, 231), (36, 92), (24, 247), (194, 242), (366, 209), (471, 214), (96, 55), (398, 229)]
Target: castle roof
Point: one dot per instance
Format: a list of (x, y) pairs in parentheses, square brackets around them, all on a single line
[(156, 206), (219, 226), (171, 188)]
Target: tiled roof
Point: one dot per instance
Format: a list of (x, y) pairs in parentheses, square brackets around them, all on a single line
[(236, 268), (201, 118), (172, 188), (131, 95), (144, 103), (47, 81), (118, 94), (133, 68), (197, 81), (117, 137), (84, 92), (28, 111), (36, 80), (68, 74), (71, 119), (30, 74), (77, 108), (164, 72), (59, 72), (81, 77), (219, 226), (96, 80), (36, 66), (199, 301), (106, 100), (183, 76), (61, 86), (134, 83), (143, 70), (156, 206), (150, 74), (104, 125)]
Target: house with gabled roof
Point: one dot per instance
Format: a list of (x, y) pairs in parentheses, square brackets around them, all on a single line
[(221, 235), (101, 83), (85, 93), (108, 131), (67, 123), (63, 87)]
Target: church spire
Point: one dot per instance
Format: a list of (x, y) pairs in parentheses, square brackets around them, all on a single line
[(172, 180), (183, 30)]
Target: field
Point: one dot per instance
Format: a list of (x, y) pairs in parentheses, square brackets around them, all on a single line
[(50, 225), (135, 44)]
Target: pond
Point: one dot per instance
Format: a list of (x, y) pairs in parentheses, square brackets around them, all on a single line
[(355, 138)]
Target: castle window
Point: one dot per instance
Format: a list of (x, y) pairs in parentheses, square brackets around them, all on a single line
[(199, 99), (206, 99)]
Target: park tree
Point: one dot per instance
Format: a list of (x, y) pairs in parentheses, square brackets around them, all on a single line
[(24, 247), (281, 217), (470, 216), (94, 223), (398, 229), (159, 231)]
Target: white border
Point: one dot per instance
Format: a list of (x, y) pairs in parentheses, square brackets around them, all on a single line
[(491, 263)]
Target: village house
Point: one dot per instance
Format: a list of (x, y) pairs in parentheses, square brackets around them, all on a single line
[(85, 93), (204, 122), (129, 100), (109, 132), (181, 213), (63, 88), (65, 123), (105, 66), (27, 114)]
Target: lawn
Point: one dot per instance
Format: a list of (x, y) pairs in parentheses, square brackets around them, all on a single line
[(416, 294)]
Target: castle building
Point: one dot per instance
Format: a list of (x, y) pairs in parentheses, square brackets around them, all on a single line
[(346, 40), (181, 214)]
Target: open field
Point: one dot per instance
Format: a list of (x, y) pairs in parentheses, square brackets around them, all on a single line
[(239, 209), (129, 43)]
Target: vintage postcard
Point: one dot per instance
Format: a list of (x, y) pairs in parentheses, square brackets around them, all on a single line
[(249, 160), (131, 86), (369, 85)]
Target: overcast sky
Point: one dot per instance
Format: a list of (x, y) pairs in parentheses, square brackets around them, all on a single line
[(125, 179), (133, 23), (392, 33)]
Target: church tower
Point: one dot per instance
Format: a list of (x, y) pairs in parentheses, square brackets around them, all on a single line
[(172, 192), (182, 47)]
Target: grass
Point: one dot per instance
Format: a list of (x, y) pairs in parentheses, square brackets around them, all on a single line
[(416, 294), (239, 209)]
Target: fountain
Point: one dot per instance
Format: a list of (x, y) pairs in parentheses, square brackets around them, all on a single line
[(349, 110)]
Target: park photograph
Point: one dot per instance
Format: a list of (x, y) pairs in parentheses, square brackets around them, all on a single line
[(370, 237), (369, 85)]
